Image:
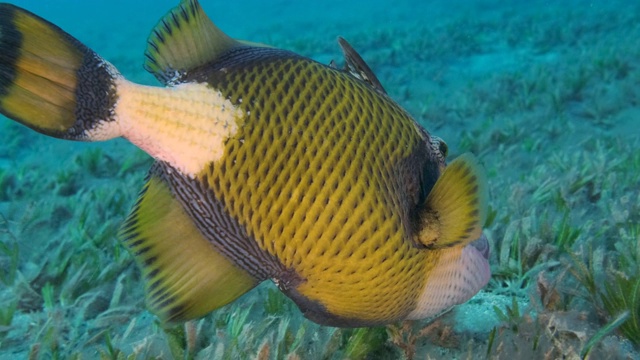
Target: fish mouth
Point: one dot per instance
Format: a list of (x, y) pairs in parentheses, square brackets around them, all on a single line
[(482, 245)]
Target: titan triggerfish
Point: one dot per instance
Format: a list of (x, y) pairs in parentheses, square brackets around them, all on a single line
[(268, 165)]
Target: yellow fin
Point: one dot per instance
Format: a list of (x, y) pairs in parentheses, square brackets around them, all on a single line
[(183, 40), (185, 277), (456, 207), (49, 81)]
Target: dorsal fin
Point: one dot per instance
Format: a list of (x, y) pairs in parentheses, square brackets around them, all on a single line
[(357, 67), (183, 40)]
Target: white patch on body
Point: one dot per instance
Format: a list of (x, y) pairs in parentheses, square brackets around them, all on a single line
[(458, 276), (185, 125)]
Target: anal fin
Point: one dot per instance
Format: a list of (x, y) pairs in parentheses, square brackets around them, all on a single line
[(185, 276)]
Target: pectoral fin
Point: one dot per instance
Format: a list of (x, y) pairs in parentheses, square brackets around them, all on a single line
[(456, 207)]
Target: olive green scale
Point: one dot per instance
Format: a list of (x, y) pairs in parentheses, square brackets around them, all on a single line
[(322, 176)]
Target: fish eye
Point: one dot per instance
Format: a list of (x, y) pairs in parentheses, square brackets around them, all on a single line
[(439, 146), (444, 148)]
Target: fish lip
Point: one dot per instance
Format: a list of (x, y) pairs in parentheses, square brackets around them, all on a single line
[(482, 245), (479, 249)]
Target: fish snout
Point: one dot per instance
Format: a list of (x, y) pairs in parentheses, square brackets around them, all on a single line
[(482, 245)]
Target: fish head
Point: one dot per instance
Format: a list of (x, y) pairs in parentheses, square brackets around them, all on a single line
[(450, 233)]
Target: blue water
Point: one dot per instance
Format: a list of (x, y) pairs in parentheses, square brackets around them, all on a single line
[(546, 94)]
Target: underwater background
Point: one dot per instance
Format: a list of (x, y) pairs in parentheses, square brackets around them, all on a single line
[(545, 93)]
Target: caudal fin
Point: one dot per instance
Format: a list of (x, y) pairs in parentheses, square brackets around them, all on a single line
[(51, 82)]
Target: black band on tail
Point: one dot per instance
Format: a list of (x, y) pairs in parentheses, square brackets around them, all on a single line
[(49, 81)]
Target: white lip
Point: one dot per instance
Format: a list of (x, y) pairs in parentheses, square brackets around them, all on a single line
[(458, 276)]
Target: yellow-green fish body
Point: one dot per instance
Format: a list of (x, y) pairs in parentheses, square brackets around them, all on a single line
[(269, 166)]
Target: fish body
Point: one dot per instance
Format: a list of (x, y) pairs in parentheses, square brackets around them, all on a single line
[(269, 165)]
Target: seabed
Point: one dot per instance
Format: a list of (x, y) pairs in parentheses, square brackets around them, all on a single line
[(546, 94)]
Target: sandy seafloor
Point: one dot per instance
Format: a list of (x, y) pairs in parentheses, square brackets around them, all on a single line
[(545, 93)]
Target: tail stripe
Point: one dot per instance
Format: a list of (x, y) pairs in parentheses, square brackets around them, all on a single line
[(50, 81), (11, 40)]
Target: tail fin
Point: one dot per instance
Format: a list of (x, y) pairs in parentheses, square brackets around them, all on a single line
[(51, 82)]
